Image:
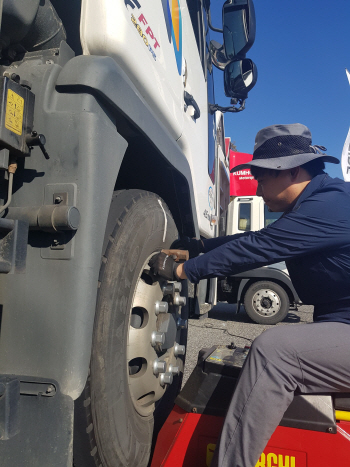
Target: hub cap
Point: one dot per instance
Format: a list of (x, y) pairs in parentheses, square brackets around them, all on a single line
[(266, 302), (146, 352)]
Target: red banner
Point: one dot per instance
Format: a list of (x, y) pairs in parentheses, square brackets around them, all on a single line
[(242, 183)]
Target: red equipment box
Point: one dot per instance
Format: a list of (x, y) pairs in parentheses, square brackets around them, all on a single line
[(189, 436)]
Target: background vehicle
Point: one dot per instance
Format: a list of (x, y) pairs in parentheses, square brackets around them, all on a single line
[(267, 292), (108, 115)]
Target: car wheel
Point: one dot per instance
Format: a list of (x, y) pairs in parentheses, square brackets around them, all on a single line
[(266, 302)]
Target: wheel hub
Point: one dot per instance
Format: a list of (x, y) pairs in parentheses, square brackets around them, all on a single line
[(266, 302), (153, 340)]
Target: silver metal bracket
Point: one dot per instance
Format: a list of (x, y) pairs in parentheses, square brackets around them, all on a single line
[(62, 243)]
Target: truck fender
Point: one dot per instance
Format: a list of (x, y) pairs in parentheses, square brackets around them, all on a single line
[(263, 273), (242, 285), (98, 76)]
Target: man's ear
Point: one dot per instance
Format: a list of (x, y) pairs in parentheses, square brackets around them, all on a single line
[(294, 172)]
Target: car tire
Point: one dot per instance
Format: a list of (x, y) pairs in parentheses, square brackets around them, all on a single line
[(266, 302), (124, 397)]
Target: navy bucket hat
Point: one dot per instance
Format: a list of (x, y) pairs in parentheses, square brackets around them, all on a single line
[(282, 147)]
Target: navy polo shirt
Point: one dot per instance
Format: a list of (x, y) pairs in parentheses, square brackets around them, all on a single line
[(313, 239)]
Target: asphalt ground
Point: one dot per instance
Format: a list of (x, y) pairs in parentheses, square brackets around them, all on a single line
[(223, 326)]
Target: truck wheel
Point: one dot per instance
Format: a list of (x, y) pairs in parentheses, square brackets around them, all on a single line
[(138, 343), (266, 302)]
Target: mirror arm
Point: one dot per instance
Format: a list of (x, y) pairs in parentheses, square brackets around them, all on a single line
[(214, 107), (210, 25)]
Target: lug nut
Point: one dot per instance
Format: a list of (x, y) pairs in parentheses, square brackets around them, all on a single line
[(175, 370), (161, 307), (157, 338), (178, 300), (168, 289), (178, 286), (159, 367), (179, 350), (166, 378), (181, 323)]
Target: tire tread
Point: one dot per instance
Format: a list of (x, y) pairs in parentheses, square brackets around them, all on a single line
[(122, 203)]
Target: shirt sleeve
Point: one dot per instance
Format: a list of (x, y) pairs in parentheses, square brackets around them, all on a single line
[(211, 243), (310, 228)]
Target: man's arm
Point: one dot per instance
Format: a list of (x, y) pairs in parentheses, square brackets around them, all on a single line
[(295, 234), (212, 243), (180, 271)]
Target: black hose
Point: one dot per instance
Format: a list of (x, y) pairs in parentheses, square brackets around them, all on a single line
[(47, 30)]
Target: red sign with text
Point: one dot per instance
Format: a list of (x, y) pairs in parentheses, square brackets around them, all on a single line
[(242, 183)]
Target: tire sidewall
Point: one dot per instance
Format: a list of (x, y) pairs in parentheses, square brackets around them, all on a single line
[(138, 234)]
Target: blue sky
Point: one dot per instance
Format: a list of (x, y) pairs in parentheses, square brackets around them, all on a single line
[(301, 50)]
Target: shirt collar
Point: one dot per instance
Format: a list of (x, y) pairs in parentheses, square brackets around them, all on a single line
[(314, 184)]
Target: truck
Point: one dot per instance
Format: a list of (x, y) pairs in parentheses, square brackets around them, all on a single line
[(266, 292), (108, 152)]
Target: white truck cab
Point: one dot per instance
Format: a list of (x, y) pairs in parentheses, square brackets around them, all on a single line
[(247, 213), (267, 292)]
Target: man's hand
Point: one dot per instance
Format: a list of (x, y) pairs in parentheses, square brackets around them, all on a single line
[(164, 266), (194, 246)]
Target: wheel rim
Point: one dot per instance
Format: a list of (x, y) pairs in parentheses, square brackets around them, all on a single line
[(266, 302), (145, 384)]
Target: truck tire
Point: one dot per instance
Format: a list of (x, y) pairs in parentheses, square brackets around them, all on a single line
[(125, 395), (266, 302)]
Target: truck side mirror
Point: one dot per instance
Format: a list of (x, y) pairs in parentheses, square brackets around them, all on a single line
[(239, 26), (240, 77)]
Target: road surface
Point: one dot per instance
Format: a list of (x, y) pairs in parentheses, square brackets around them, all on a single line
[(223, 326)]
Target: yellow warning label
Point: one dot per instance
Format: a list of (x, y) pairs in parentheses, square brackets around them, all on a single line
[(210, 453), (14, 112), (266, 460), (273, 460)]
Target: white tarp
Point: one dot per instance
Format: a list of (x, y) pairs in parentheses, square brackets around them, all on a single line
[(345, 157), (347, 74)]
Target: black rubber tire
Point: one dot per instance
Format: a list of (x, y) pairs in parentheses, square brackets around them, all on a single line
[(269, 316), (108, 431)]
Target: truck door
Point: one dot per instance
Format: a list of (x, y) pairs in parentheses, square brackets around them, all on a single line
[(249, 213), (222, 193), (198, 140), (239, 215)]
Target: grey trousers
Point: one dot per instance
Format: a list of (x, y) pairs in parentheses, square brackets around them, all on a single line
[(306, 358)]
